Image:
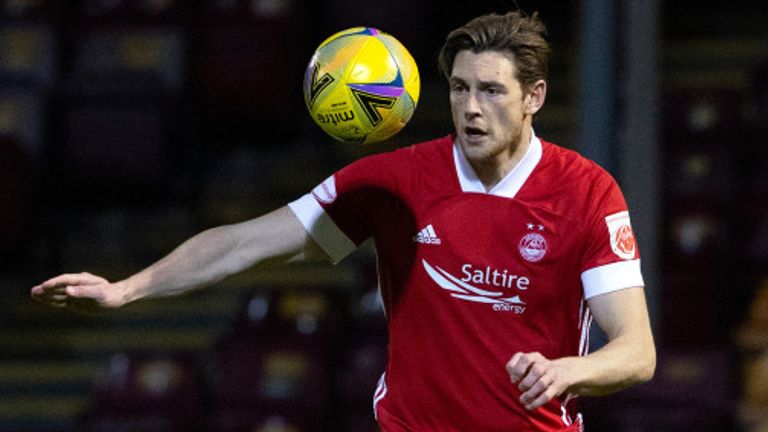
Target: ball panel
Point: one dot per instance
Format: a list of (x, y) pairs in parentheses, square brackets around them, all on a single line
[(406, 64), (338, 116), (316, 81), (399, 115), (372, 64), (343, 33)]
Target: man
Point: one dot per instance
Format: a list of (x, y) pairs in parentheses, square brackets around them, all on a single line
[(495, 250)]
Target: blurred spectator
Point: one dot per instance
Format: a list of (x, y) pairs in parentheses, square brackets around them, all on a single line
[(754, 406), (752, 339), (753, 334)]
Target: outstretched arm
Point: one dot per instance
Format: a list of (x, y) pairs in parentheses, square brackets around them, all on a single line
[(628, 358), (202, 260)]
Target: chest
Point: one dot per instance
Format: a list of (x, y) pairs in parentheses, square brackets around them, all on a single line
[(488, 252), (500, 230)]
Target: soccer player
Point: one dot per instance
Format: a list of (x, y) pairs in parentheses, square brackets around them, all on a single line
[(495, 251)]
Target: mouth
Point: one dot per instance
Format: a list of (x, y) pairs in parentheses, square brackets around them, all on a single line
[(474, 132)]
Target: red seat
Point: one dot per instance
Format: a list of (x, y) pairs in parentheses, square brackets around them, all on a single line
[(249, 68), (148, 392), (117, 115), (269, 377), (278, 359)]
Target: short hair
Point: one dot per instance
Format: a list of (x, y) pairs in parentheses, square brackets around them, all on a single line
[(524, 36)]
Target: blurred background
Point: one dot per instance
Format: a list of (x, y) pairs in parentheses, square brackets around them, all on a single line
[(128, 126)]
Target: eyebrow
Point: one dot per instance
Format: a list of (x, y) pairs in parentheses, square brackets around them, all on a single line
[(482, 84)]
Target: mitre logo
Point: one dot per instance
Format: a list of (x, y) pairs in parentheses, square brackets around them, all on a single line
[(461, 288), (620, 232)]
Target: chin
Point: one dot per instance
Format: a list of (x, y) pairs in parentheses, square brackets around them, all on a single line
[(476, 155)]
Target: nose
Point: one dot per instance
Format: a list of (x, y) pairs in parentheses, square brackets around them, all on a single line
[(471, 105)]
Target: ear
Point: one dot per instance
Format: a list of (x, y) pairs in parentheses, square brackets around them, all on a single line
[(534, 98)]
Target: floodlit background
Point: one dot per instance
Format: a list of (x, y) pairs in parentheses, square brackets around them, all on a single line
[(128, 126)]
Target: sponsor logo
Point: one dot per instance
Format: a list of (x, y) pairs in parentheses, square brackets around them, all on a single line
[(622, 238), (325, 192), (460, 288), (494, 277), (427, 236)]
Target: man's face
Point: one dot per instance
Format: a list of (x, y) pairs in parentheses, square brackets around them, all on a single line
[(488, 106)]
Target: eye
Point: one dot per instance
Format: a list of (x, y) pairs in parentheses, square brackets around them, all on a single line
[(458, 87)]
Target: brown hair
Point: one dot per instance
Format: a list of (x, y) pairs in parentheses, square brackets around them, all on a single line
[(523, 36)]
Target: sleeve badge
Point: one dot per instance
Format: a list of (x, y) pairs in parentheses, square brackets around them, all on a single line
[(325, 192), (622, 238)]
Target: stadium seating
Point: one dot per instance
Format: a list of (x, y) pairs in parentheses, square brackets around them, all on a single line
[(692, 390), (276, 364), (118, 106), (149, 393), (244, 79)]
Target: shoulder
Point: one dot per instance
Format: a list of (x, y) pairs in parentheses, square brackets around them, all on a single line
[(439, 147), (574, 170), (432, 151), (572, 185), (570, 161), (396, 166)]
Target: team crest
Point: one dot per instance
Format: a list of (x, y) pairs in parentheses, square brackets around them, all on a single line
[(533, 247), (325, 192), (622, 238)]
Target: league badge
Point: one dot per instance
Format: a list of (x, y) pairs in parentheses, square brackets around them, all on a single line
[(620, 232)]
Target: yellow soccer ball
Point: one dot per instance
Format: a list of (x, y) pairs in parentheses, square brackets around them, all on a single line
[(361, 85)]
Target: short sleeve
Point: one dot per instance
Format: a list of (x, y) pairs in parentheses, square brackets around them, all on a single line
[(611, 259), (341, 212)]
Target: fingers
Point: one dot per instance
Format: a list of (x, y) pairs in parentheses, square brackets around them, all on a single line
[(538, 388), (57, 290), (537, 378), (70, 279), (520, 363), (534, 401), (42, 293)]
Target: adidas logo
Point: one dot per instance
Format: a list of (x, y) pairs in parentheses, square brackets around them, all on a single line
[(427, 236)]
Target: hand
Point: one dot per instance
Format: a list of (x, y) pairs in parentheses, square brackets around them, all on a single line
[(540, 379), (82, 291)]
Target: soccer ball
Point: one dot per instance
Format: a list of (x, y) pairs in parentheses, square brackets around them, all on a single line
[(361, 85)]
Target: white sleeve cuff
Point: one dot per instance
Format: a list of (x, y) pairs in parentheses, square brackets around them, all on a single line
[(611, 277), (322, 228)]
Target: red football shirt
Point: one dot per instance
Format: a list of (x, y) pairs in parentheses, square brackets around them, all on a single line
[(469, 277)]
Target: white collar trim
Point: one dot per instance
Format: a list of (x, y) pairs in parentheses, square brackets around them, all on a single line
[(510, 185)]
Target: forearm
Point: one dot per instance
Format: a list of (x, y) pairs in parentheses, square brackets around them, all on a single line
[(202, 260), (621, 363), (629, 357), (219, 252)]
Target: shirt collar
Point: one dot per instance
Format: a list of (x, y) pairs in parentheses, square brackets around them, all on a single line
[(510, 185)]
